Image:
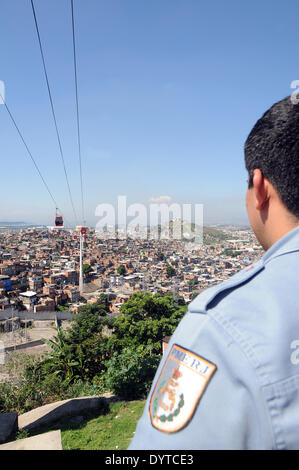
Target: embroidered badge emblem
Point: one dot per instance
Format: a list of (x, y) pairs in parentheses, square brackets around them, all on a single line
[(179, 388)]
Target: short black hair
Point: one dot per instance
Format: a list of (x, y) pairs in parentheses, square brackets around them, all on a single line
[(273, 147)]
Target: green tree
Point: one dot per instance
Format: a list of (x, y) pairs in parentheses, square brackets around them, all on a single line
[(61, 359), (170, 271), (121, 270), (80, 352), (144, 320), (86, 322), (103, 300), (86, 268)]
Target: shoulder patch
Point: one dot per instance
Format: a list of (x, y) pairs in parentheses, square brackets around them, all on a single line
[(179, 388)]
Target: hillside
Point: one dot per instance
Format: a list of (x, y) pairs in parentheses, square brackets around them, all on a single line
[(213, 235), (210, 234)]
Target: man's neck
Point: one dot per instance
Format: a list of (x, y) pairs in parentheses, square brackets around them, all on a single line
[(276, 231)]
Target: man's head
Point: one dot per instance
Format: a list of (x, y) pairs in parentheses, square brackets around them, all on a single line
[(272, 162)]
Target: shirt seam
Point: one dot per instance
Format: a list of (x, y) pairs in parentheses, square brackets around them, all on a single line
[(233, 331), (270, 405), (277, 255)]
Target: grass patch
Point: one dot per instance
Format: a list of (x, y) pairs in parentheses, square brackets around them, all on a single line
[(110, 428)]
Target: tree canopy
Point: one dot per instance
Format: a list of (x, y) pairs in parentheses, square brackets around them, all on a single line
[(86, 268), (121, 270), (170, 271), (145, 320)]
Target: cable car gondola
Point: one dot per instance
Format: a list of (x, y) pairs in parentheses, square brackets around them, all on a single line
[(58, 220)]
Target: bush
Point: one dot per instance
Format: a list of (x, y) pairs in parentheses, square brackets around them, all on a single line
[(26, 394), (30, 391), (130, 373), (83, 389)]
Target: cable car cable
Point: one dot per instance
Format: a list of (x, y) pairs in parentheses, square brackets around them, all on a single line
[(29, 153), (52, 107), (27, 148), (77, 110)]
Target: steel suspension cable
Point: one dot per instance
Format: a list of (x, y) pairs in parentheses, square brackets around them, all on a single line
[(29, 152), (52, 108), (77, 110)]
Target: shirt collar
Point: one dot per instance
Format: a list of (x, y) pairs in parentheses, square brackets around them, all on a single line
[(286, 244)]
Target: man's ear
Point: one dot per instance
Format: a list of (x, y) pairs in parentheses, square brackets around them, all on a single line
[(260, 188)]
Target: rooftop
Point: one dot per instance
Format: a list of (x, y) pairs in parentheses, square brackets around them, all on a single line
[(29, 293)]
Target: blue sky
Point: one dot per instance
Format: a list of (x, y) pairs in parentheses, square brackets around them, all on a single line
[(168, 92)]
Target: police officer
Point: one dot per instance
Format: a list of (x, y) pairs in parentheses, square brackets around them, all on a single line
[(230, 375)]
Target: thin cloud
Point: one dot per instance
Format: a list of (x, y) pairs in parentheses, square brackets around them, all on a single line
[(160, 199)]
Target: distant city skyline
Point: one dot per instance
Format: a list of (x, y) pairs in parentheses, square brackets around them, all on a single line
[(168, 92)]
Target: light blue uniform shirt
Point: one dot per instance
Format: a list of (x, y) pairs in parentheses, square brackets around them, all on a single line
[(246, 332)]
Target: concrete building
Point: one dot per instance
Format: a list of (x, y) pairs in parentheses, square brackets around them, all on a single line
[(29, 299)]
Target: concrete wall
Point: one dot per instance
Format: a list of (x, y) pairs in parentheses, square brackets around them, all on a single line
[(23, 315), (47, 414)]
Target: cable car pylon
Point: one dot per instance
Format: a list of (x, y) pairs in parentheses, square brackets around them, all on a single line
[(82, 237), (81, 284)]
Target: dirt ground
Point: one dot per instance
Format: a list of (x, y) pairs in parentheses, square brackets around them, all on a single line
[(23, 335), (42, 329)]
